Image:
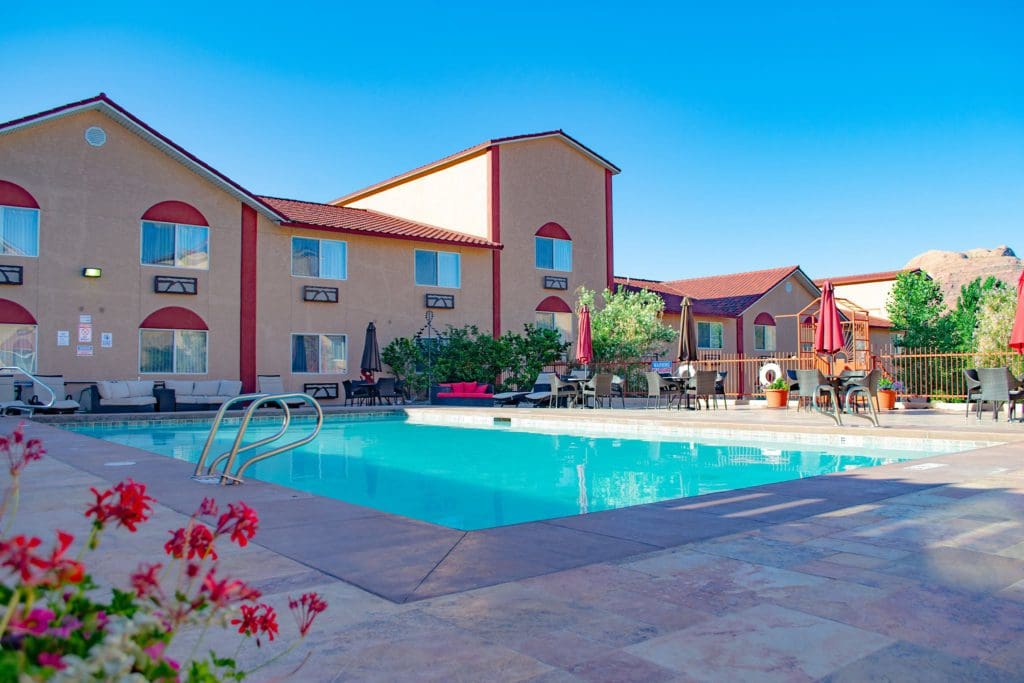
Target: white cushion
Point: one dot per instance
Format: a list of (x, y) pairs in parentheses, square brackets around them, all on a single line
[(130, 401), (229, 388), (214, 399), (180, 387), (113, 389), (207, 387), (140, 388)]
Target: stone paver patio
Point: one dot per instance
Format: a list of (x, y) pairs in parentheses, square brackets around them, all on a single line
[(894, 573)]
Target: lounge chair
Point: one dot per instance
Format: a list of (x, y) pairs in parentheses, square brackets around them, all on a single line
[(52, 387), (599, 389), (549, 389), (998, 386), (8, 404), (973, 385), (272, 384)]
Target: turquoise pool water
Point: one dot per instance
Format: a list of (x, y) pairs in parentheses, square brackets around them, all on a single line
[(479, 478)]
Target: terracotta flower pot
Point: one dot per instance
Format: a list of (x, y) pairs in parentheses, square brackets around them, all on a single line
[(886, 399), (777, 398)]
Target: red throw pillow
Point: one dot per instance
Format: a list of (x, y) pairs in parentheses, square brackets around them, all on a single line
[(472, 387)]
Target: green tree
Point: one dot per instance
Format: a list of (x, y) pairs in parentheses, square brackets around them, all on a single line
[(915, 306), (965, 316), (628, 326), (996, 311)]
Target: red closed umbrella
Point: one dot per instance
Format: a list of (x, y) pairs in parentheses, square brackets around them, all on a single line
[(584, 349), (1017, 336), (828, 337)]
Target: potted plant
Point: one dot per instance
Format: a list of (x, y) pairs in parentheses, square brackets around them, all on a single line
[(777, 393), (887, 389)]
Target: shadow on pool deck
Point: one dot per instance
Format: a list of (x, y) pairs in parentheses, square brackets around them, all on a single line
[(405, 560)]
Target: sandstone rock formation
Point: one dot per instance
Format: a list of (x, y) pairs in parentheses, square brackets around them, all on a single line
[(951, 269)]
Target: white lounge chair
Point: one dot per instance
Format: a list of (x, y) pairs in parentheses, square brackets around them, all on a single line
[(62, 401)]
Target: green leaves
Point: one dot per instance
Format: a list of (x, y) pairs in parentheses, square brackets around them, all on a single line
[(628, 327), (915, 306)]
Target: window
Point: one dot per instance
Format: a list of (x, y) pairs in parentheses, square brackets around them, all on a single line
[(18, 346), (555, 321), (176, 352), (320, 353), (709, 335), (552, 254), (19, 230), (764, 332), (437, 268), (319, 258), (178, 246)]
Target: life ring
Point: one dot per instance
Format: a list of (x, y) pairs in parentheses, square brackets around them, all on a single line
[(769, 373), (687, 368)]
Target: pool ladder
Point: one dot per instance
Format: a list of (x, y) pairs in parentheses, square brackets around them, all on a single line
[(228, 457), (31, 407)]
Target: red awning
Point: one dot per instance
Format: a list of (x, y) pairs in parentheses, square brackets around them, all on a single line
[(173, 318)]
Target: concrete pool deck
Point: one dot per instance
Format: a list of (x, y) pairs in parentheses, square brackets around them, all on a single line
[(907, 570)]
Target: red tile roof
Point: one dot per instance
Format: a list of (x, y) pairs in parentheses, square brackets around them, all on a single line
[(471, 151), (880, 276), (717, 295), (360, 221)]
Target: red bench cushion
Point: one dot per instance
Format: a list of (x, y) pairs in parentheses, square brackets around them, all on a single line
[(464, 394)]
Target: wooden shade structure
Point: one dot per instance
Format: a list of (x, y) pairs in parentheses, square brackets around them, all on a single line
[(856, 351)]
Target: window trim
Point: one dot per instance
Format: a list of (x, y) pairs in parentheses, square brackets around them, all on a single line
[(291, 254), (320, 373), (552, 240), (436, 252), (35, 343), (209, 245), (174, 356), (721, 336), (39, 231)]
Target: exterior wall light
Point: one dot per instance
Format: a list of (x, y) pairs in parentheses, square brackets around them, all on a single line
[(92, 272)]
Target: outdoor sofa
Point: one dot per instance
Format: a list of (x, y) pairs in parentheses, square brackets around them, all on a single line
[(462, 394), (202, 394), (117, 396)]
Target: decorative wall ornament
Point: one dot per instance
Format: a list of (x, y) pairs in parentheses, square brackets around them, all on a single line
[(170, 284), (12, 275), (556, 282), (327, 295), (440, 301)]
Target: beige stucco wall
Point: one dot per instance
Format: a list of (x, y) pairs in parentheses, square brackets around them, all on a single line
[(380, 288), (728, 334), (92, 200), (454, 198), (869, 295), (542, 181), (778, 303)]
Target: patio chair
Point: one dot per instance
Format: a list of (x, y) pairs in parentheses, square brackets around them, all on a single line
[(387, 390), (720, 388), (998, 386), (272, 384), (703, 386), (580, 373), (812, 386), (52, 386), (658, 386), (865, 388), (599, 389), (8, 404), (618, 390), (973, 385), (356, 394)]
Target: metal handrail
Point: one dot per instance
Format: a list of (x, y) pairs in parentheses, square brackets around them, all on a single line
[(258, 400), (36, 381)]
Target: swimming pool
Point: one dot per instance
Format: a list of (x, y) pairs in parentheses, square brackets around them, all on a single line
[(475, 478)]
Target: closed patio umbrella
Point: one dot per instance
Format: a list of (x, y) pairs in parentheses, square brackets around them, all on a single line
[(370, 362), (584, 347), (687, 334), (1017, 335), (828, 336)]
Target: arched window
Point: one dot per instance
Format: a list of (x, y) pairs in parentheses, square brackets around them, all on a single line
[(175, 234), (173, 340), (554, 314), (18, 336), (553, 248), (19, 221), (764, 332)]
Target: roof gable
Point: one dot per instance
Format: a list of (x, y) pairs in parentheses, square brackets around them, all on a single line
[(132, 123)]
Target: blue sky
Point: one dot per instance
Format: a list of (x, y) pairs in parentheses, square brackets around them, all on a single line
[(843, 138)]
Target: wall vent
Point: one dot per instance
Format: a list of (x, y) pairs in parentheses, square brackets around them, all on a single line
[(95, 136)]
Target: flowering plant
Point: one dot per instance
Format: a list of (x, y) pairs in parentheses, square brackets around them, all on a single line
[(55, 627), (890, 384)]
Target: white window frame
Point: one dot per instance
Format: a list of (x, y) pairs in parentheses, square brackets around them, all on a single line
[(721, 335), (437, 270), (344, 265), (174, 351), (764, 336), (35, 345), (319, 351), (142, 246), (3, 251), (554, 266)]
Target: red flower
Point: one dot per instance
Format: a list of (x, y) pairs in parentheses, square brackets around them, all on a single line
[(208, 508), (20, 451), (227, 591), (64, 570), (145, 580), (51, 659), (132, 506), (200, 543), (176, 546), (255, 623), (240, 521), (192, 569), (36, 623), (18, 554), (305, 610)]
